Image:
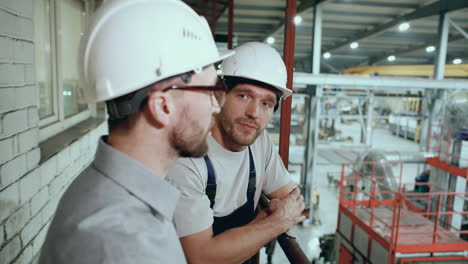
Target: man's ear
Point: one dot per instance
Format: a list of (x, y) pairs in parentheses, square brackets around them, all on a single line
[(161, 108)]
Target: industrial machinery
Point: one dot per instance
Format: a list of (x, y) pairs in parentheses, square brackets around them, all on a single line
[(404, 124), (383, 220)]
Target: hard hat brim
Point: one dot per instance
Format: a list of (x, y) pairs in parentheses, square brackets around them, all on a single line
[(224, 54), (285, 92)]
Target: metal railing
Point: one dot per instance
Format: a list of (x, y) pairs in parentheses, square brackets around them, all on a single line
[(400, 219)]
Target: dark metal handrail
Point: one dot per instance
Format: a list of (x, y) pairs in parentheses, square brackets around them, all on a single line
[(291, 248)]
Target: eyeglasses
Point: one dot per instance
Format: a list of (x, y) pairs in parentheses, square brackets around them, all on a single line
[(218, 90)]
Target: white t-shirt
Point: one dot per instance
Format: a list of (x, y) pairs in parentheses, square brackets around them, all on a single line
[(193, 213)]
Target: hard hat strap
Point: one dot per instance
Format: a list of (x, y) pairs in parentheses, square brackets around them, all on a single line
[(124, 106)]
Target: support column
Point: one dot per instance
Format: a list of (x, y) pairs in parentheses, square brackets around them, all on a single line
[(315, 140), (439, 67), (230, 23), (362, 122), (310, 159), (288, 57), (430, 104), (370, 107), (317, 39)]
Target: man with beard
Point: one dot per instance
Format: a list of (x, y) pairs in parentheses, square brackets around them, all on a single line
[(215, 217), (160, 87)]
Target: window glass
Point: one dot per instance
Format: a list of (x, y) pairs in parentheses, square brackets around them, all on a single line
[(43, 58), (70, 31)]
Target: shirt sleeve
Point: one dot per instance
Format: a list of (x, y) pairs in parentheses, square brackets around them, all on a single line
[(118, 234), (193, 213), (276, 174)]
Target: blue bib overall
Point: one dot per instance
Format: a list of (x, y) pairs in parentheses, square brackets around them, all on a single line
[(242, 215)]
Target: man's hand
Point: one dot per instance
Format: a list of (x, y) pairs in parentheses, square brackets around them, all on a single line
[(288, 210)]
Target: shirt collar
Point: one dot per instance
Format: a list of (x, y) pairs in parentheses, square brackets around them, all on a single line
[(215, 147), (146, 186)]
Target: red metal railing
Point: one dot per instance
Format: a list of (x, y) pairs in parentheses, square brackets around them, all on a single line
[(400, 219), (433, 259), (446, 144)]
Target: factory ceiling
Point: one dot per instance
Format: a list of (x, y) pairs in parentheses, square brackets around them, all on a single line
[(377, 26)]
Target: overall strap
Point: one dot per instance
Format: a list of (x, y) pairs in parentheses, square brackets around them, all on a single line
[(211, 185), (252, 178), (210, 189)]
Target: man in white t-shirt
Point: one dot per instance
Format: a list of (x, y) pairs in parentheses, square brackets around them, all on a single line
[(215, 217)]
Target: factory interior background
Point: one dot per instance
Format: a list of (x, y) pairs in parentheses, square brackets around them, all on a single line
[(378, 131)]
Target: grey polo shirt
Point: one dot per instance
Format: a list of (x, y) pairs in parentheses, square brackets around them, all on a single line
[(115, 211)]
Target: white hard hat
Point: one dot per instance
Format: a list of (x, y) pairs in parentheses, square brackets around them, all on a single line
[(257, 61), (131, 44)]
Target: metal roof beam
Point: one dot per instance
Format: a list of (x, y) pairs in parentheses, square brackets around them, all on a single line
[(377, 83), (303, 6), (458, 28), (450, 57), (361, 14), (377, 4), (256, 7), (424, 11), (398, 52)]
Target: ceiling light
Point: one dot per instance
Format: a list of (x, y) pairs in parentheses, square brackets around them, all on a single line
[(354, 45), (457, 61), (270, 40), (391, 58), (327, 55), (403, 26), (430, 49), (297, 20)]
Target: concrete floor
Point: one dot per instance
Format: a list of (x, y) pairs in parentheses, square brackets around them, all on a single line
[(331, 155)]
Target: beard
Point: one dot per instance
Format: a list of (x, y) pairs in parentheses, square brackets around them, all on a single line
[(233, 131), (189, 139)]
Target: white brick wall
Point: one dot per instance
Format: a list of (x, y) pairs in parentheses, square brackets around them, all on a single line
[(17, 221), (10, 250), (39, 200), (23, 52), (29, 202), (6, 48), (32, 229), (29, 185), (9, 199), (14, 122), (26, 256), (39, 240), (23, 97), (12, 170), (29, 192), (6, 145), (2, 236), (33, 116), (19, 7), (8, 98), (32, 158), (48, 171), (28, 140)]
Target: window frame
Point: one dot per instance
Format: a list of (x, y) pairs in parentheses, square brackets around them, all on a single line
[(57, 122)]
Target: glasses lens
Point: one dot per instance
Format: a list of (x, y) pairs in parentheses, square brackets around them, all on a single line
[(218, 90)]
